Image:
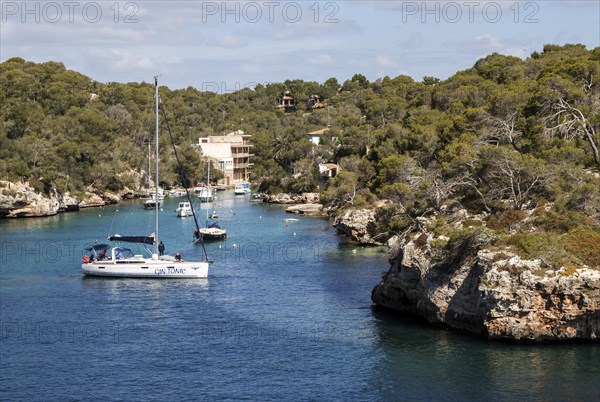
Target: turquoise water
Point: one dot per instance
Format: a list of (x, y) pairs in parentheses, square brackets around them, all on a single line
[(285, 315)]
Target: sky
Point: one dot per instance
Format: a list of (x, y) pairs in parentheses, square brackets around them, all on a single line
[(222, 46)]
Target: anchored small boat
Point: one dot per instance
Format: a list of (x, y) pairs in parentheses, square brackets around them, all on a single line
[(184, 210)]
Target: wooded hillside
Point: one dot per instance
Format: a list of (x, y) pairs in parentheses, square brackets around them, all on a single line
[(502, 138)]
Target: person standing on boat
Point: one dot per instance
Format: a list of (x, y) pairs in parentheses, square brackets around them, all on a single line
[(161, 248)]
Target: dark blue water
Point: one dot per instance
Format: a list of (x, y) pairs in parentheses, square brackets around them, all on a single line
[(286, 315)]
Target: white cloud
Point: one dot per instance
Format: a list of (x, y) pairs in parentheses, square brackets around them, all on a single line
[(175, 39), (251, 68), (385, 62), (228, 42), (414, 40), (479, 44), (322, 59)]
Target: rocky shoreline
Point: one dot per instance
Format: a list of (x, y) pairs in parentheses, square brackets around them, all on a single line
[(20, 200), (462, 282), (351, 223), (354, 224), (470, 286), (302, 204), (466, 284)]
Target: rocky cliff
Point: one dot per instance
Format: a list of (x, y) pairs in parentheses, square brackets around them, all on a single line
[(354, 223), (466, 284), (21, 200)]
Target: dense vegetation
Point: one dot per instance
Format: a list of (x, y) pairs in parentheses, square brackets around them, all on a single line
[(516, 140)]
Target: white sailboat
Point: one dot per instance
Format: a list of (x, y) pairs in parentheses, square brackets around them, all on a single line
[(108, 261), (212, 230), (205, 193), (150, 201)]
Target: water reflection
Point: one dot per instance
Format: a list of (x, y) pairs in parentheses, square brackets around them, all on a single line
[(424, 362)]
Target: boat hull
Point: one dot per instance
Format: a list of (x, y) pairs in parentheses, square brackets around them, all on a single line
[(213, 235), (147, 269), (150, 204)]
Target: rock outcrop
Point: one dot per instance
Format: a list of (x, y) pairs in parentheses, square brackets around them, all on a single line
[(91, 200), (306, 209), (285, 198), (21, 200), (354, 224), (464, 283)]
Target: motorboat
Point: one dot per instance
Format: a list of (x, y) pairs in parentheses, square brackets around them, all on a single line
[(242, 189), (184, 210)]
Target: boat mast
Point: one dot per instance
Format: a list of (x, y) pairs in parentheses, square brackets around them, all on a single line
[(185, 184), (148, 172), (148, 141), (207, 190), (156, 179)]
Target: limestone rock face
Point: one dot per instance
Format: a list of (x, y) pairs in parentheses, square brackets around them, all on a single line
[(285, 198), (110, 198), (127, 194), (68, 203), (91, 200), (560, 305), (500, 296), (21, 200), (354, 223), (306, 209)]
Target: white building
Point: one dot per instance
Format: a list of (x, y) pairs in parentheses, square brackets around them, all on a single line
[(315, 136), (231, 153)]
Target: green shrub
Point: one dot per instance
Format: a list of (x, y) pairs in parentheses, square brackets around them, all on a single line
[(506, 219), (538, 245), (421, 241), (570, 270), (468, 223), (558, 220), (584, 244)]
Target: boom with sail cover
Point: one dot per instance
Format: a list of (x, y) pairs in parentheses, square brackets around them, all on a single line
[(133, 239)]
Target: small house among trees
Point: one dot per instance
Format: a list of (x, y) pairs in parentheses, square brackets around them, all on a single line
[(315, 102), (316, 136), (286, 103)]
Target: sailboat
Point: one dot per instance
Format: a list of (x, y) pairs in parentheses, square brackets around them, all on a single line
[(205, 192), (108, 261), (212, 230), (152, 200)]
